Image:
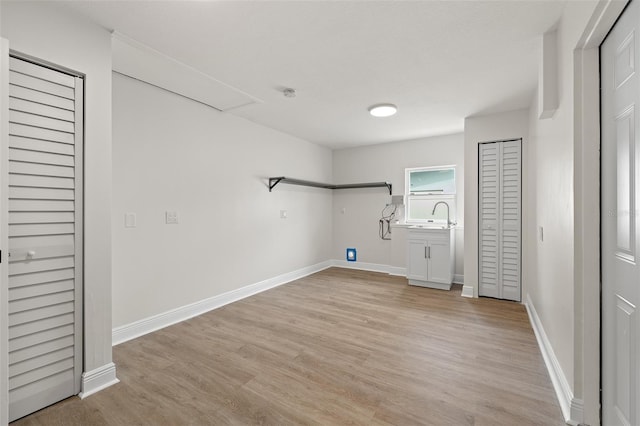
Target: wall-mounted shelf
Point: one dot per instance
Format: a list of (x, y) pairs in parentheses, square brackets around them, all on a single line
[(273, 181)]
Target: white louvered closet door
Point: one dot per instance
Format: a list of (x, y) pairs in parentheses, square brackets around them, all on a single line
[(45, 236), (510, 214), (500, 215), (489, 219)]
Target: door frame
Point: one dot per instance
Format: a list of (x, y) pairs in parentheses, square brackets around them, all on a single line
[(4, 228), (585, 406)]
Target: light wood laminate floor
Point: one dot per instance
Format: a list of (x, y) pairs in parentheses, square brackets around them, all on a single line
[(337, 347)]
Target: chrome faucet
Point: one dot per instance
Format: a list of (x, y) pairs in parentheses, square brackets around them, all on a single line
[(449, 223)]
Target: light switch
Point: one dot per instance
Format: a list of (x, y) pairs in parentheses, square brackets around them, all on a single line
[(171, 218), (130, 220)]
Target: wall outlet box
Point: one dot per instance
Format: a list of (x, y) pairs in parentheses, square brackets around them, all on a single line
[(171, 218), (352, 255)]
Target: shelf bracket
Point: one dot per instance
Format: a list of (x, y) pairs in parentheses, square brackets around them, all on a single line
[(274, 181)]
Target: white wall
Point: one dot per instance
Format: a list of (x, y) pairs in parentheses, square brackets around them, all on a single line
[(43, 31), (551, 285), (170, 153), (358, 226), (488, 128)]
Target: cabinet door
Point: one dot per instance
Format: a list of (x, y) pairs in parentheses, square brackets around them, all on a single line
[(439, 270), (417, 267)]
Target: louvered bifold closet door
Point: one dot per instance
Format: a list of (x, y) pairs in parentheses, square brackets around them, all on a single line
[(489, 219), (45, 236), (510, 214), (499, 199)]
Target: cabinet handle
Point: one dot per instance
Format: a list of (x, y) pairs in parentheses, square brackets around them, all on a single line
[(429, 252), (425, 252)]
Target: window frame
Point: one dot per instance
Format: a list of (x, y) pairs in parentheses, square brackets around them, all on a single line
[(425, 196)]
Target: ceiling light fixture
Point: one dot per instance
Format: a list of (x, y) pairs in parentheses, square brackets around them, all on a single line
[(289, 92), (383, 110)]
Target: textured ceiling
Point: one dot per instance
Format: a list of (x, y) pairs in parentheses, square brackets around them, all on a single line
[(438, 61)]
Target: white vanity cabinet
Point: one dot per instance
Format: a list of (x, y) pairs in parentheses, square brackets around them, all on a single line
[(430, 257)]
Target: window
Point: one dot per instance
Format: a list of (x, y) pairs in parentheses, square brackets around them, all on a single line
[(424, 187)]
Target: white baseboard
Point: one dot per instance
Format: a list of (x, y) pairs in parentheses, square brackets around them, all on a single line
[(577, 411), (467, 291), (98, 379), (571, 407), (387, 269), (147, 325), (373, 267), (397, 271), (430, 284)]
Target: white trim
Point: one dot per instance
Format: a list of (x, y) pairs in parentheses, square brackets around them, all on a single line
[(394, 270), (430, 284), (147, 325), (559, 380), (374, 267), (577, 410), (587, 207), (98, 379), (4, 227), (397, 271), (467, 291)]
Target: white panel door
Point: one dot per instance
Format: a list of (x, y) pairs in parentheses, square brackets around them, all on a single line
[(500, 214), (620, 221), (45, 236)]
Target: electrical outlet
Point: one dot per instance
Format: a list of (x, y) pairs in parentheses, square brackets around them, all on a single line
[(283, 214), (171, 218), (351, 255)]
